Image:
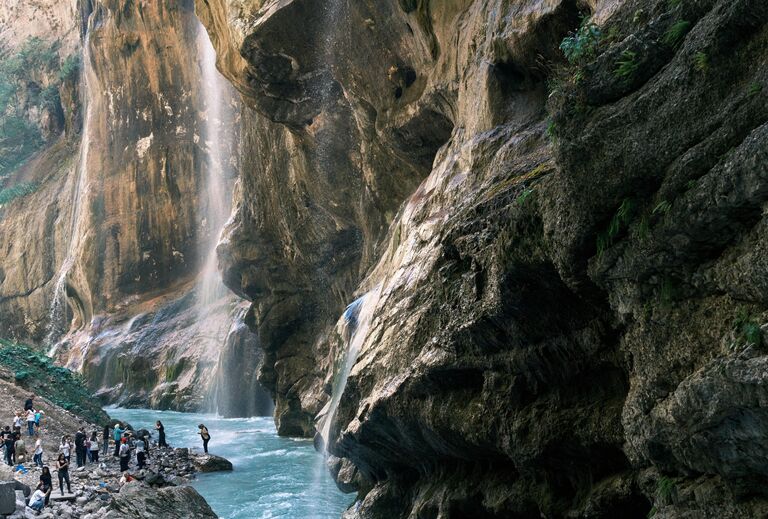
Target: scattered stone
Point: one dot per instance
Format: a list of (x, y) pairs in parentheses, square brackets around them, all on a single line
[(55, 496)]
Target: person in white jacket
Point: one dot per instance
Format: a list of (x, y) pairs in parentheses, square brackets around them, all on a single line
[(37, 501), (93, 447), (31, 422), (38, 457)]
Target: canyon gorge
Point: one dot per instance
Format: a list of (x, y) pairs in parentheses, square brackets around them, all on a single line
[(500, 258)]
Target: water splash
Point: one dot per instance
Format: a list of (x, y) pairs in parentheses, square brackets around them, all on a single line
[(57, 316)]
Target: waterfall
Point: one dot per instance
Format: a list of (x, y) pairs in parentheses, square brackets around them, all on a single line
[(215, 199), (215, 196), (353, 327), (57, 316)]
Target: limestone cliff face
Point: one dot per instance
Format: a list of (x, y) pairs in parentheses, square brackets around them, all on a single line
[(111, 267), (565, 315)]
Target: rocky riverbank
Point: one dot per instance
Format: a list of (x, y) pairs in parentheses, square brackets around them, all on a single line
[(98, 489)]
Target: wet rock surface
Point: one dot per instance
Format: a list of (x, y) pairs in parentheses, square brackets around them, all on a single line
[(211, 463), (570, 311), (106, 253)]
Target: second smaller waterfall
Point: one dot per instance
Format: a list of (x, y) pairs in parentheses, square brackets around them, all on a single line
[(354, 326)]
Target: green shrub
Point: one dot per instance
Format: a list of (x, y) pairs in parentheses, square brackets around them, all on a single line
[(754, 89), (36, 372), (676, 33), (581, 46), (12, 193), (668, 291), (627, 65), (33, 55), (19, 139), (49, 97), (20, 78), (552, 129), (748, 329), (70, 68)]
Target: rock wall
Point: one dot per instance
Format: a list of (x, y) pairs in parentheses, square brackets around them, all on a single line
[(110, 268), (569, 309)]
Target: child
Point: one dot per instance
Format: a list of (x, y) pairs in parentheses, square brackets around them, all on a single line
[(38, 417)]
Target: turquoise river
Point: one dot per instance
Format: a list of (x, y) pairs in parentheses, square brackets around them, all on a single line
[(272, 476)]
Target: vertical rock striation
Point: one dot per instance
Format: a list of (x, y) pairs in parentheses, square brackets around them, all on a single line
[(570, 319), (110, 265)]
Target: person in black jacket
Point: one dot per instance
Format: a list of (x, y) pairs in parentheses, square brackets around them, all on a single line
[(62, 467), (29, 404), (46, 483), (80, 447), (105, 438), (161, 434), (10, 450), (205, 435)]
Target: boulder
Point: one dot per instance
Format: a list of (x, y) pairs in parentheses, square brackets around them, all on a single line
[(211, 463), (7, 497), (137, 501)]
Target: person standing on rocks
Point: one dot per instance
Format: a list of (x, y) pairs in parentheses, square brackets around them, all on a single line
[(80, 447), (117, 435), (205, 435), (3, 434), (10, 456), (65, 448), (62, 467), (160, 434), (141, 455), (17, 421), (93, 447), (21, 449), (46, 483), (105, 439), (29, 404), (38, 418), (125, 454), (38, 457), (31, 422)]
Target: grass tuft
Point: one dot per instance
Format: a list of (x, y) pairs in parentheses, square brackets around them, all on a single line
[(676, 33), (701, 62), (627, 65)]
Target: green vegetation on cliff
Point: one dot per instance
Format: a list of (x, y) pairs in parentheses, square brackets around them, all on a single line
[(35, 371), (17, 191), (30, 78)]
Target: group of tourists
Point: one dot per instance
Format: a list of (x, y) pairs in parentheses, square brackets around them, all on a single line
[(88, 447), (12, 439)]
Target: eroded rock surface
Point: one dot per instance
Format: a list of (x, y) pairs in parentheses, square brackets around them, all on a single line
[(105, 257), (567, 309)]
